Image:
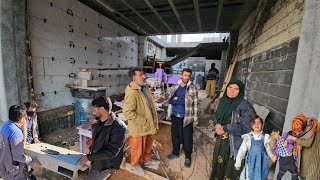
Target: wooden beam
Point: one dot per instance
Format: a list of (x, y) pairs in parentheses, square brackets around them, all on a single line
[(138, 14), (158, 15), (109, 8), (103, 69), (197, 10), (148, 174), (184, 55), (219, 14), (173, 7)]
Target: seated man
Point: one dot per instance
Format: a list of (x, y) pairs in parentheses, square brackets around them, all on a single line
[(108, 134), (30, 129), (30, 126), (13, 161)]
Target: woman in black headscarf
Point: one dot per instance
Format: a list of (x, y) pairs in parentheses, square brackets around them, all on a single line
[(231, 120)]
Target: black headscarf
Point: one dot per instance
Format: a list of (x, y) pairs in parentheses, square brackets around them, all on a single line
[(227, 105)]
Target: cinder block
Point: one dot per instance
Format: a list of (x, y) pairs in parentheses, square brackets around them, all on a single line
[(94, 83), (84, 75), (77, 82), (84, 83)]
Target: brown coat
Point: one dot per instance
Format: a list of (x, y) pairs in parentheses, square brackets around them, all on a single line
[(310, 156), (141, 121)]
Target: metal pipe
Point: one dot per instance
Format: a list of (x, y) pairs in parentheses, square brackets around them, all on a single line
[(155, 152)]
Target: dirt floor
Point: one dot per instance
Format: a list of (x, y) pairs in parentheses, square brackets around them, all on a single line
[(200, 167), (201, 156)]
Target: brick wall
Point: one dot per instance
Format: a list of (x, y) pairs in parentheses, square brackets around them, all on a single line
[(268, 77), (270, 38), (55, 119), (271, 24)]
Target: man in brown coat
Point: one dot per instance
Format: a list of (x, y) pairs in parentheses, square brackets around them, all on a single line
[(140, 111)]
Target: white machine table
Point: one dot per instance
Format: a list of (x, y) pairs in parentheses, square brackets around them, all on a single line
[(57, 159)]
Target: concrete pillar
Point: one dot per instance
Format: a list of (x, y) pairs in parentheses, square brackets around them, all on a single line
[(142, 49), (304, 94), (14, 51), (179, 38), (164, 38), (173, 39), (3, 99), (163, 53)]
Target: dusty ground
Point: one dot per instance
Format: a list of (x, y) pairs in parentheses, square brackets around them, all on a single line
[(201, 157), (200, 167)]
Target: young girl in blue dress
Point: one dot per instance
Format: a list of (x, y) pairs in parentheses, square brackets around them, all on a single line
[(255, 147)]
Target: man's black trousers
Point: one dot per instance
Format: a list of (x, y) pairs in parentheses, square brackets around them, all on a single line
[(181, 135)]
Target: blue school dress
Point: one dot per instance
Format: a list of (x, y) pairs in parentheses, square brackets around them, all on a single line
[(257, 160)]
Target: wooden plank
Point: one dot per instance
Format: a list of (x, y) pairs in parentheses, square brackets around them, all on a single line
[(149, 175), (103, 69), (165, 122), (228, 75), (87, 88)]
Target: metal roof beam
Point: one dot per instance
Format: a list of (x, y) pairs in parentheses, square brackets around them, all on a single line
[(137, 13), (197, 10), (173, 7), (219, 14), (158, 15), (109, 8)]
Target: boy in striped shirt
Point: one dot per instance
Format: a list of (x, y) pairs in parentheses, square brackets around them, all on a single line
[(283, 150)]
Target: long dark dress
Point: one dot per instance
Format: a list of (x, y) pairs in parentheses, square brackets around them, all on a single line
[(222, 164)]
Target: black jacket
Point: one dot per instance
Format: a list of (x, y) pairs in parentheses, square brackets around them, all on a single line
[(240, 124), (107, 146)]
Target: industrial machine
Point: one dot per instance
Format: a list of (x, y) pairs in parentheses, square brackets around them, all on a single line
[(56, 159)]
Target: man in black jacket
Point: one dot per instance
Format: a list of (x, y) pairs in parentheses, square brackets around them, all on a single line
[(108, 134)]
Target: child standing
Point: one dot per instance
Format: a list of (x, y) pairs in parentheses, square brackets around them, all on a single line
[(283, 150), (256, 143)]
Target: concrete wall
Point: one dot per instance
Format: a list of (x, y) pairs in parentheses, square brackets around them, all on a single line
[(193, 63), (154, 50), (270, 25), (209, 62), (268, 79), (63, 42), (14, 83), (270, 38), (304, 96)]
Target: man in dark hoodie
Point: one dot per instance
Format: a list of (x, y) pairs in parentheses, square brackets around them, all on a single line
[(108, 134)]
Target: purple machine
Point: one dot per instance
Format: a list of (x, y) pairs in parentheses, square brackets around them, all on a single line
[(166, 78)]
